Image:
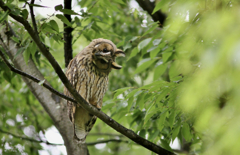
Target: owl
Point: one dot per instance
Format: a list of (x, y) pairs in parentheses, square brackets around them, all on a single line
[(88, 73)]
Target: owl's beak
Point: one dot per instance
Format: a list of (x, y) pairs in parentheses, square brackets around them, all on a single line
[(119, 53), (115, 65), (100, 56)]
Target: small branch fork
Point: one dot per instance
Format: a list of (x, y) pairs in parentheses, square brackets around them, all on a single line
[(93, 110), (34, 78)]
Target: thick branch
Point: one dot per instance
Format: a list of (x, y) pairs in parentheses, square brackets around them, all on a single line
[(149, 6), (93, 110), (68, 35)]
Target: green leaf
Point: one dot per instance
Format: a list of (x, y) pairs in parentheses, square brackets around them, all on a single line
[(24, 13), (20, 50), (144, 43), (162, 119), (144, 66), (158, 6), (88, 26), (15, 39), (131, 93), (150, 112), (165, 145), (159, 70), (156, 42), (130, 102), (133, 53), (77, 21), (7, 76), (48, 28), (142, 133), (26, 55), (154, 52), (186, 132), (153, 136), (175, 132), (4, 16), (120, 2), (41, 82), (172, 118), (140, 99), (54, 25), (58, 7), (154, 26), (63, 19), (68, 12), (120, 91)]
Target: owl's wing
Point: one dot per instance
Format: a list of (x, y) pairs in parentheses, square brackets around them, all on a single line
[(80, 118)]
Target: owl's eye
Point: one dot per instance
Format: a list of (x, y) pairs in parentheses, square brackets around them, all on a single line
[(105, 50)]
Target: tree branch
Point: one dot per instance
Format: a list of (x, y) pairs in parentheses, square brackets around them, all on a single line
[(67, 35), (106, 141), (32, 16), (48, 143), (104, 134), (149, 6), (28, 139), (93, 110), (33, 78)]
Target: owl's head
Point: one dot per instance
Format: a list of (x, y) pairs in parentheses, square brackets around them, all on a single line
[(104, 54)]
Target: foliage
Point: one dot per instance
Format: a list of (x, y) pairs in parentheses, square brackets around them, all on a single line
[(177, 82)]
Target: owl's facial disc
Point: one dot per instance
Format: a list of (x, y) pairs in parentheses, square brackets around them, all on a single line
[(104, 57), (102, 60)]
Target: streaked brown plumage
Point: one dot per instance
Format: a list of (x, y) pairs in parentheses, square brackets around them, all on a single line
[(88, 73)]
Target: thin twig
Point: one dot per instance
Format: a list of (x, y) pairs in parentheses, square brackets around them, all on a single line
[(32, 16), (106, 141), (28, 139), (104, 134), (34, 79), (48, 143)]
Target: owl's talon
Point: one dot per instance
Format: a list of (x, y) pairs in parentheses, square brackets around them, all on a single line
[(99, 108)]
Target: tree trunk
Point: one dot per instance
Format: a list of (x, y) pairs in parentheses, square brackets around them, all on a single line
[(48, 100)]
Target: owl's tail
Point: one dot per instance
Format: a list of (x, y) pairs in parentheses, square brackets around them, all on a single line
[(80, 133), (83, 123)]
